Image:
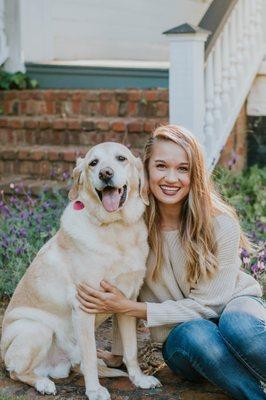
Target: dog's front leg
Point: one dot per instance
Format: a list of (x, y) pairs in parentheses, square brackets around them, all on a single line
[(128, 332), (85, 331)]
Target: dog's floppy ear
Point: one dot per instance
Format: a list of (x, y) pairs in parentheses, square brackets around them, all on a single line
[(143, 182), (77, 177)]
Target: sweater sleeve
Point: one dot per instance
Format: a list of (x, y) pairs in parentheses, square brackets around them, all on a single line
[(209, 297)]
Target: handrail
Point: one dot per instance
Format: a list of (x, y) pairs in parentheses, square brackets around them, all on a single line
[(214, 20), (233, 59), (209, 84)]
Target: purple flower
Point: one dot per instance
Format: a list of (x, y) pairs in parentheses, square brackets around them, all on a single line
[(261, 266), (244, 253), (53, 173), (254, 268), (65, 175), (246, 260), (23, 232), (19, 250)]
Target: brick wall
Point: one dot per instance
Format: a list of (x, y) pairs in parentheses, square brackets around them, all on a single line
[(234, 154), (42, 132)]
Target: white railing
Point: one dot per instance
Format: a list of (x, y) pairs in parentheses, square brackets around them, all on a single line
[(229, 72), (3, 42), (221, 83)]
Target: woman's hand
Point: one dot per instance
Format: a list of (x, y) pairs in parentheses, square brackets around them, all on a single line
[(111, 300)]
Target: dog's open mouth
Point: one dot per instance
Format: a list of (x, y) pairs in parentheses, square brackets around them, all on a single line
[(112, 198)]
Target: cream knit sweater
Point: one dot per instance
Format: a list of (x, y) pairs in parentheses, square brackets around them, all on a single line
[(171, 300)]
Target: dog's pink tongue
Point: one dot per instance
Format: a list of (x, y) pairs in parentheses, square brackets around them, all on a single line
[(110, 199)]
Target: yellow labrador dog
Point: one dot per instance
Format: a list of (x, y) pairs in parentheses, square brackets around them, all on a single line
[(102, 236)]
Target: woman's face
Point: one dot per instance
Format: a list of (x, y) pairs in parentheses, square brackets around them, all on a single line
[(168, 169)]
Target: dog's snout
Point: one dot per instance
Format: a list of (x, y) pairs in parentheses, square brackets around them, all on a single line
[(106, 174)]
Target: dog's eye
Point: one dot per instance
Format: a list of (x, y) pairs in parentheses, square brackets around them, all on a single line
[(121, 158), (93, 163)]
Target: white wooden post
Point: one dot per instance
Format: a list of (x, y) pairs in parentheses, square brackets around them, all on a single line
[(186, 77), (15, 61), (3, 41)]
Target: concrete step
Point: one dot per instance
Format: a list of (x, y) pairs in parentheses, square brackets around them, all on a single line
[(104, 103), (56, 130)]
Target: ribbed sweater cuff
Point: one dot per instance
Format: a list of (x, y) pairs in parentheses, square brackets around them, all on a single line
[(154, 315)]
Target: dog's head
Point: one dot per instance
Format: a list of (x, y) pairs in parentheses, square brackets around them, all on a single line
[(109, 177)]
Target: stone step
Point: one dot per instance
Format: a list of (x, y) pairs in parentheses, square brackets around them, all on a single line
[(21, 184), (104, 103), (47, 162), (56, 130)]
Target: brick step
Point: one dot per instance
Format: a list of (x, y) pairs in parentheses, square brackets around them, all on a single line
[(48, 162), (55, 130), (19, 184), (104, 103)]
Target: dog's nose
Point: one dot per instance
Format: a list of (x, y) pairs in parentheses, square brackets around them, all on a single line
[(106, 174)]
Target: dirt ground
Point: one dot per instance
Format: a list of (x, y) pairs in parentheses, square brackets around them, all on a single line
[(72, 388)]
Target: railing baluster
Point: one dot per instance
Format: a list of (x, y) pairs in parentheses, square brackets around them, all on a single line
[(209, 101), (225, 72), (246, 17), (232, 52), (238, 43), (217, 84), (232, 58), (230, 68), (258, 23)]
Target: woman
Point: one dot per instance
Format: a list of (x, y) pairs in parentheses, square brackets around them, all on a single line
[(208, 313)]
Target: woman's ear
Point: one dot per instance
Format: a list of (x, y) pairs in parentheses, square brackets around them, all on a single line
[(143, 182), (77, 176)]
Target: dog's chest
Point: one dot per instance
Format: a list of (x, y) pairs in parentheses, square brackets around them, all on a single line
[(128, 270)]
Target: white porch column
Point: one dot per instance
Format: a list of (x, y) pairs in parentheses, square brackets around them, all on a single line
[(186, 77), (3, 42), (15, 61)]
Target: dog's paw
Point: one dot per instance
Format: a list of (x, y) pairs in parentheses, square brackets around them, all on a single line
[(145, 381), (100, 394), (45, 386)]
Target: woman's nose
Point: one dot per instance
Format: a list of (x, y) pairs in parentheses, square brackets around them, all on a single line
[(172, 176)]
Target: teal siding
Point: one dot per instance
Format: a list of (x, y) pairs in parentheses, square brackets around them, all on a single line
[(76, 77)]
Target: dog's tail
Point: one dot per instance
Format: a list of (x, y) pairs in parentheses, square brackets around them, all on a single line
[(106, 372)]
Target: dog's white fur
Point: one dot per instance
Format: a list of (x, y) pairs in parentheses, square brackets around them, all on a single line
[(44, 330)]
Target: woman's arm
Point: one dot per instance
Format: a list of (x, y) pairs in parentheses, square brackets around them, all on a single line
[(111, 300), (208, 298)]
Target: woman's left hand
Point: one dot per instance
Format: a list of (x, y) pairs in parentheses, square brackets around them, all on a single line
[(97, 302)]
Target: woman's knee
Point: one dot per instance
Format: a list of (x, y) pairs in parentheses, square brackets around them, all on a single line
[(243, 329), (189, 338)]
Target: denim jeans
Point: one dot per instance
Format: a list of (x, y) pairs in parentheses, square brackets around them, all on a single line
[(229, 352)]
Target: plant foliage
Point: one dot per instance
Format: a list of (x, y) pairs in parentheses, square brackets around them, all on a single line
[(17, 80)]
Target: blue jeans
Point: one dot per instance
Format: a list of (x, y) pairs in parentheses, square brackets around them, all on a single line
[(229, 352)]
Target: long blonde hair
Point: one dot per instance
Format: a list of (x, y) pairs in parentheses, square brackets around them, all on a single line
[(198, 209)]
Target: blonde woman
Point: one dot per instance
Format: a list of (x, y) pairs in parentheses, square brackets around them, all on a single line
[(196, 300)]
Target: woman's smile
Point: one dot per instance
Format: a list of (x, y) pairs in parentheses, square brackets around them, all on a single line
[(169, 190)]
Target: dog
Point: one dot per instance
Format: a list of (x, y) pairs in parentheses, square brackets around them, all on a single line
[(102, 235)]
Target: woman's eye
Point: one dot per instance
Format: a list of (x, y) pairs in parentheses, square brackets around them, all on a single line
[(160, 166), (121, 158), (93, 163), (183, 169)]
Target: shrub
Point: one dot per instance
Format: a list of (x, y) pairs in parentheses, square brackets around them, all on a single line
[(17, 80), (247, 193), (26, 223)]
